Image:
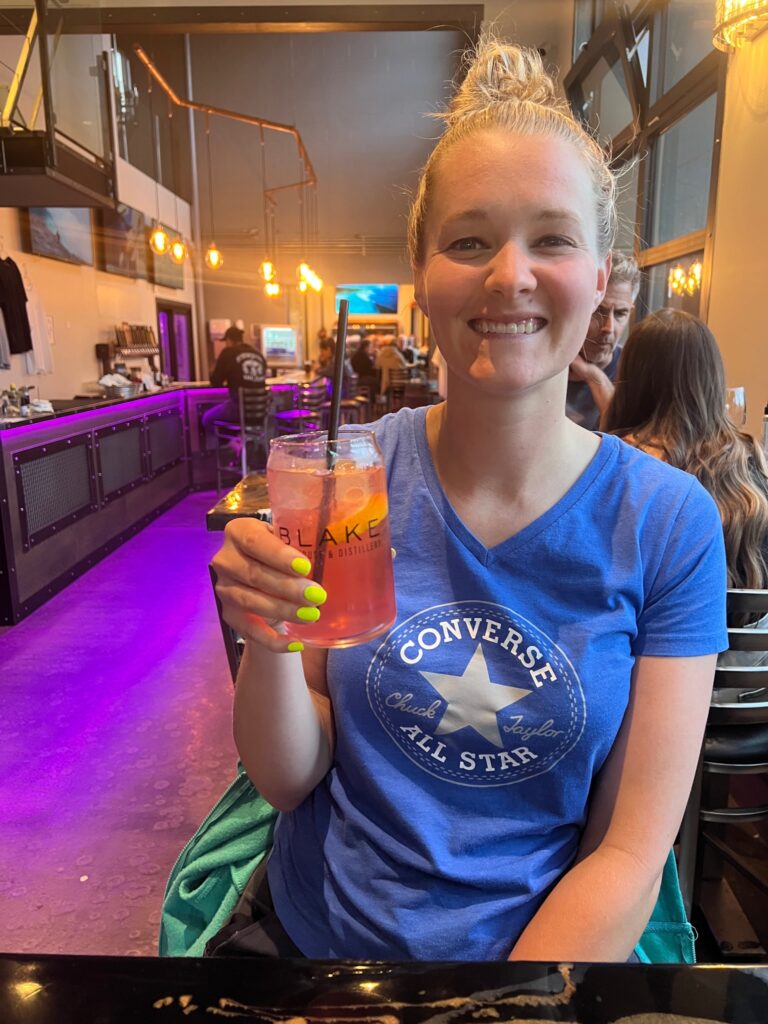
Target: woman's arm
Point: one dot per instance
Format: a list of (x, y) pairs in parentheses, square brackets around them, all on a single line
[(600, 907), (283, 720)]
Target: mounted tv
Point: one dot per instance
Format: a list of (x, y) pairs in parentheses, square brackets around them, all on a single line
[(60, 233), (280, 345), (368, 299), (123, 246), (165, 272)]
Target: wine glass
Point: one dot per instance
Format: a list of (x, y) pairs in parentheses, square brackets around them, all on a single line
[(736, 406)]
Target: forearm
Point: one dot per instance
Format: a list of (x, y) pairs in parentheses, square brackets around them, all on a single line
[(281, 734), (596, 912)]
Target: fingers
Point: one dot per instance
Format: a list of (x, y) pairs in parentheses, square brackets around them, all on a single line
[(260, 581)]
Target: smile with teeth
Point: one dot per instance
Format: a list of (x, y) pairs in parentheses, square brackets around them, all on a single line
[(529, 326)]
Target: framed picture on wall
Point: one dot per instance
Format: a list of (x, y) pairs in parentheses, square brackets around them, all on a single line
[(165, 272), (122, 242), (60, 233)]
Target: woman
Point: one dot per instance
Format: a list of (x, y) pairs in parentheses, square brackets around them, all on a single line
[(670, 402), (484, 782)]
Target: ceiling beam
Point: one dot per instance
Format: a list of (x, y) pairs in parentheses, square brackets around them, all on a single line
[(221, 19)]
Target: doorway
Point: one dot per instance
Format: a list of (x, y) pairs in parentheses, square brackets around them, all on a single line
[(174, 332)]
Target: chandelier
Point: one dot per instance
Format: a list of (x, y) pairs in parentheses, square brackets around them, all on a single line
[(738, 21)]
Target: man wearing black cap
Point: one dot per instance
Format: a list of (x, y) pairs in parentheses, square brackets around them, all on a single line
[(238, 365)]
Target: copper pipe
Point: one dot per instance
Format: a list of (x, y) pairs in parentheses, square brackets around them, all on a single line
[(232, 115)]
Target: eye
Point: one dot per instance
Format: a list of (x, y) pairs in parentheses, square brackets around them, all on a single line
[(556, 242), (469, 244)]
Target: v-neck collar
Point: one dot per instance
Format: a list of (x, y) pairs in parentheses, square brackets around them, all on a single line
[(487, 556)]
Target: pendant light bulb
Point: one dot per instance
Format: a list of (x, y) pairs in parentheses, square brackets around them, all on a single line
[(272, 289), (213, 257), (267, 270), (303, 285), (178, 251), (159, 241)]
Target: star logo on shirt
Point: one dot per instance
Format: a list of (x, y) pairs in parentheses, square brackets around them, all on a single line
[(473, 699)]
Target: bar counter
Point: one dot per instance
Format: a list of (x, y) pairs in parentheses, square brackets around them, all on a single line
[(77, 482), (118, 990)]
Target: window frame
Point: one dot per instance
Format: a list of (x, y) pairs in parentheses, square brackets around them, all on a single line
[(620, 30)]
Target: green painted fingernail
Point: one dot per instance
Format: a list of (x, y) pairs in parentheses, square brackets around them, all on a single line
[(316, 594), (308, 614), (295, 646), (301, 566)]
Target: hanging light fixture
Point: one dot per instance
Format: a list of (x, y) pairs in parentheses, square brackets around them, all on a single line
[(178, 250), (738, 21), (272, 289), (178, 247), (267, 270), (213, 257), (308, 277), (158, 238)]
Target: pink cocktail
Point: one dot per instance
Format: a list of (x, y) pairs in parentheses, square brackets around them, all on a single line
[(339, 518)]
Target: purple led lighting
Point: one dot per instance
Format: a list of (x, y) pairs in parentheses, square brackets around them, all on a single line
[(87, 419)]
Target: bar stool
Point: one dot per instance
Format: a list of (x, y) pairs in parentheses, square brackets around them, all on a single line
[(735, 744), (251, 431), (309, 413)]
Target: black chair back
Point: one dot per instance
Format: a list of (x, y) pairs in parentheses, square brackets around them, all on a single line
[(254, 404)]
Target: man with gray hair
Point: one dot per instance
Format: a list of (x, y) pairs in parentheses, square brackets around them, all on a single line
[(590, 382)]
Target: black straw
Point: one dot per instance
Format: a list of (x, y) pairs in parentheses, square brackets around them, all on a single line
[(338, 380)]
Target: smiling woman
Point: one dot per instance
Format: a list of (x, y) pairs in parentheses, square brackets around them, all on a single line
[(476, 784)]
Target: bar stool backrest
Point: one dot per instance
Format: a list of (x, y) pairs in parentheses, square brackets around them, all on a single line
[(254, 404)]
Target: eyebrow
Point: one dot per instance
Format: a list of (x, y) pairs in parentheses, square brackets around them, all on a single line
[(544, 215)]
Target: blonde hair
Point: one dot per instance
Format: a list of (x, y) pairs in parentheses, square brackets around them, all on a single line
[(507, 87)]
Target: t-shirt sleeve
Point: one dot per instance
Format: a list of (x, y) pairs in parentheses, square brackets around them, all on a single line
[(221, 370), (684, 613)]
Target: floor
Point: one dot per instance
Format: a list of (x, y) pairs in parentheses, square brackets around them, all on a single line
[(116, 742)]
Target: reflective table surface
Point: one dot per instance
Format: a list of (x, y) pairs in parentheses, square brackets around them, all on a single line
[(117, 990)]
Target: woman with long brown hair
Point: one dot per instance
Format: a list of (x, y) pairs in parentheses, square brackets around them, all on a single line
[(670, 402)]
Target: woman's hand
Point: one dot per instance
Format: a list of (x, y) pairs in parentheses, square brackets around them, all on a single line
[(262, 582)]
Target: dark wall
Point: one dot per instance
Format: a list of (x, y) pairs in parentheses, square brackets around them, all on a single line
[(359, 101)]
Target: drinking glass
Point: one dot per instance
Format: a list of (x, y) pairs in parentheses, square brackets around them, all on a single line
[(329, 501), (736, 406)]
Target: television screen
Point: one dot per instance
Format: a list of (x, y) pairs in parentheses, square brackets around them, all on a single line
[(368, 298), (123, 242), (165, 271), (61, 233), (280, 345)]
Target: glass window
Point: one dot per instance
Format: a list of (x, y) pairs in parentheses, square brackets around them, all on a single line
[(76, 87), (626, 205), (676, 284), (606, 106), (582, 26), (682, 163), (682, 36), (642, 47)]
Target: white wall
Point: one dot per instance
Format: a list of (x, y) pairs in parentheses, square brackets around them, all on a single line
[(738, 313)]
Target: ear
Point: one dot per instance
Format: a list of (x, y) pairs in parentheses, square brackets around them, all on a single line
[(420, 290), (603, 276)]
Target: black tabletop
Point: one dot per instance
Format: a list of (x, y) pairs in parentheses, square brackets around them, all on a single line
[(117, 990), (246, 499)]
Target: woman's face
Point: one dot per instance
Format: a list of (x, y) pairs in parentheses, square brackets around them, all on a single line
[(511, 274)]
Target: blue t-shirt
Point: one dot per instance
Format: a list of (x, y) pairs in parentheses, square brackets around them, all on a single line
[(468, 737)]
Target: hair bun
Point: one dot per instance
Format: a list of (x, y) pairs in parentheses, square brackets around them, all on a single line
[(500, 72)]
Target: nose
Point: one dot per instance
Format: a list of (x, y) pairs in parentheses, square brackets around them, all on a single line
[(510, 270), (607, 323)]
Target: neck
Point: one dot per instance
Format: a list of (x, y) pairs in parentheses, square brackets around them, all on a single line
[(500, 441)]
